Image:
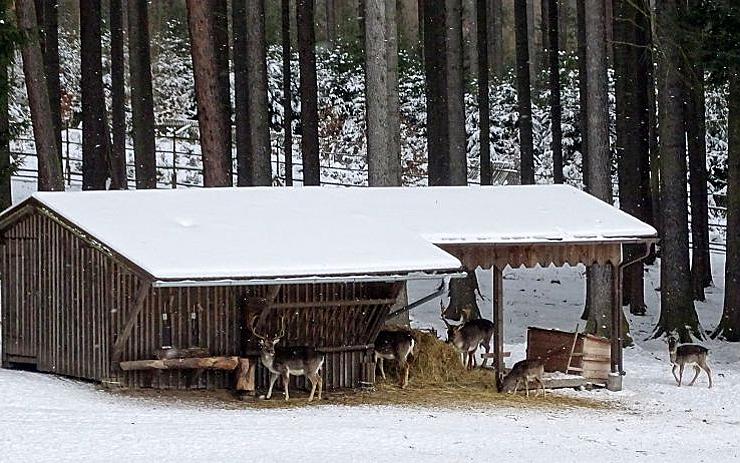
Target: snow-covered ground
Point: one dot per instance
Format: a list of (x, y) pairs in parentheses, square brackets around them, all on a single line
[(47, 418)]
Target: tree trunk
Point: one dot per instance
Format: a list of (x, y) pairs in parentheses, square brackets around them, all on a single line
[(524, 97), (729, 326), (6, 198), (582, 90), (309, 93), (496, 37), (220, 17), (118, 97), (629, 154), (696, 132), (555, 108), (435, 69), (643, 74), (142, 100), (600, 299), (534, 38), (287, 95), (95, 141), (241, 93), (47, 15), (456, 94), (394, 109), (647, 27), (42, 117), (211, 117), (258, 105), (331, 23), (484, 124), (678, 314), (463, 300), (563, 23)]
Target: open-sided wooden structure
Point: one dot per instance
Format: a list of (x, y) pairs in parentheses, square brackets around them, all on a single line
[(94, 283)]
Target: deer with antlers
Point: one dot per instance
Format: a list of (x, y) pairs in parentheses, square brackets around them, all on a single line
[(468, 336), (286, 361)]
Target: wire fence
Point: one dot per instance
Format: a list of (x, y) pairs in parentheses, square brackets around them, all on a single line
[(180, 165)]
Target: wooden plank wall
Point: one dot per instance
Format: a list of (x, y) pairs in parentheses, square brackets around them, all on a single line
[(64, 301)]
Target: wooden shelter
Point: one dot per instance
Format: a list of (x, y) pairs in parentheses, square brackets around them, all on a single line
[(94, 284)]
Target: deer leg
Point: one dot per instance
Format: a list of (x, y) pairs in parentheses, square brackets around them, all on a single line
[(526, 386), (680, 374), (516, 386), (382, 370), (709, 373), (321, 382), (314, 381), (674, 372), (273, 378), (697, 370), (487, 347), (286, 380), (542, 386)]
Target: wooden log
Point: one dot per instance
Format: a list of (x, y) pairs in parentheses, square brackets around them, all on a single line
[(181, 353), (245, 376), (205, 363)]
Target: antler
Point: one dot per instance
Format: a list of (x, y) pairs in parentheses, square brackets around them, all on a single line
[(442, 314), (282, 327), (253, 330)]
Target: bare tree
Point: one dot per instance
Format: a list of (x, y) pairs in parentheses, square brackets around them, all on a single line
[(118, 98), (383, 153), (211, 117), (554, 80), (435, 71), (50, 174), (287, 95), (95, 135), (456, 94), (677, 314), (729, 326), (142, 100), (524, 96), (241, 93), (599, 300), (257, 74), (309, 92), (47, 15), (484, 125)]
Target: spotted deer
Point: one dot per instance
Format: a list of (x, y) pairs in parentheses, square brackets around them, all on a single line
[(468, 336), (688, 354), (286, 361), (395, 345), (524, 370)]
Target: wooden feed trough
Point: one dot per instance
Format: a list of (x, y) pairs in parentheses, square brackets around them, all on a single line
[(574, 354)]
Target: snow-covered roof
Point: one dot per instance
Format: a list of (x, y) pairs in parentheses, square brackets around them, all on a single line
[(265, 233)]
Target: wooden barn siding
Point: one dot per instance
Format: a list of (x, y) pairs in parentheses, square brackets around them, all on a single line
[(62, 298), (212, 317), (64, 301)]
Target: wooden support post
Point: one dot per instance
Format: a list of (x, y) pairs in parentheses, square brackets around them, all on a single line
[(245, 376), (616, 322), (498, 323), (133, 315)]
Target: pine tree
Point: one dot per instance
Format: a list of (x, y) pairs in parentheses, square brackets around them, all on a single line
[(259, 123), (309, 92), (486, 175), (524, 97), (118, 98)]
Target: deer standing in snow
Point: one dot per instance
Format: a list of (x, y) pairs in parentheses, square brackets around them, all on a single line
[(468, 336), (286, 361), (688, 354), (395, 345), (524, 370)]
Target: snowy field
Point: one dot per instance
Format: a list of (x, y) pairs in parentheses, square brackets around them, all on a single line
[(46, 418)]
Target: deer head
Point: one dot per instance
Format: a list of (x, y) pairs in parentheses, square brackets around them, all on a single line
[(451, 329), (267, 343)]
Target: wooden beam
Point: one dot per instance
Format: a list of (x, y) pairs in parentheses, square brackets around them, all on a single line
[(196, 363), (498, 323), (134, 311)]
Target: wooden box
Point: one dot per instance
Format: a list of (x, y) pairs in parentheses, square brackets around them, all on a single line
[(591, 355)]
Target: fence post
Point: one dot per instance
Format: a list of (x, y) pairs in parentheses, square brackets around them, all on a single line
[(66, 159), (174, 159)]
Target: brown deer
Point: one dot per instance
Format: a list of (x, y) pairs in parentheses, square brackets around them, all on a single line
[(688, 354), (524, 370), (468, 336), (286, 361), (395, 345)]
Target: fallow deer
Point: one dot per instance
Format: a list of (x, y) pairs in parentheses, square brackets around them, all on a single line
[(688, 354), (286, 361), (524, 370), (395, 345), (468, 336)]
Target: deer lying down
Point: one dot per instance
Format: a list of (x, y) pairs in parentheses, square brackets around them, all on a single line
[(688, 354), (395, 345), (525, 370), (286, 361)]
